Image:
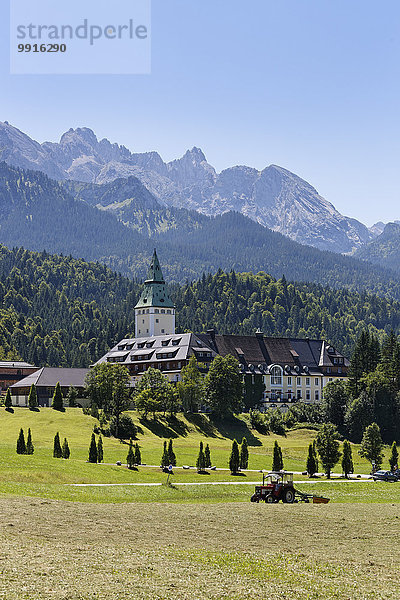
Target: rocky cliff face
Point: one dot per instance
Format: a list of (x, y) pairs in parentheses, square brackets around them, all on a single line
[(273, 197)]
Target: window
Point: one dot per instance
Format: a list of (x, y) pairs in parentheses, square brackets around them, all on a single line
[(328, 370), (299, 381), (157, 320), (143, 321), (308, 395), (316, 395), (339, 369), (168, 312), (298, 394), (289, 381), (141, 345), (289, 394), (164, 342), (276, 376), (122, 347), (156, 311), (330, 379), (162, 330), (162, 311), (307, 381), (316, 381)]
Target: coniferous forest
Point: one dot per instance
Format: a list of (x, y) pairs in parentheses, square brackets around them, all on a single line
[(61, 311)]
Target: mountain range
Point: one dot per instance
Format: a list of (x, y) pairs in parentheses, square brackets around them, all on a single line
[(273, 197), (125, 199), (74, 218)]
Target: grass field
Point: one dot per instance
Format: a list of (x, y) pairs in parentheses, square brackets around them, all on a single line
[(72, 551), (110, 540), (43, 476)]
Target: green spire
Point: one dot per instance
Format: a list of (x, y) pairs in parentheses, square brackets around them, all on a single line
[(154, 291), (154, 274)]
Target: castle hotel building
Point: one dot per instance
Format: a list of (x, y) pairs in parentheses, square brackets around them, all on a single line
[(291, 369)]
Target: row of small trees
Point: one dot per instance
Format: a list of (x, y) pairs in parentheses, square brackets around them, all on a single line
[(22, 446), (57, 401)]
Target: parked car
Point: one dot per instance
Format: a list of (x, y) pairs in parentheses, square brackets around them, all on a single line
[(385, 476)]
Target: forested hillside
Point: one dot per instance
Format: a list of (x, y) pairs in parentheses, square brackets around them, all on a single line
[(62, 311), (40, 214), (385, 249)]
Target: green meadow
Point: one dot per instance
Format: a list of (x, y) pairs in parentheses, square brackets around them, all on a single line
[(44, 476)]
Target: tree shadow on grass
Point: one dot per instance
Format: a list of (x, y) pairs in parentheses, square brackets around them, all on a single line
[(234, 428), (202, 424), (164, 427)]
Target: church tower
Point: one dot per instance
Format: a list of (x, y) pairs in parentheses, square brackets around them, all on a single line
[(155, 311)]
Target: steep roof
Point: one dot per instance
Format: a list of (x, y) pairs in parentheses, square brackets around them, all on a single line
[(50, 376), (154, 291)]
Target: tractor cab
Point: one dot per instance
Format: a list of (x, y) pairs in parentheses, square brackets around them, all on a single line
[(277, 485)]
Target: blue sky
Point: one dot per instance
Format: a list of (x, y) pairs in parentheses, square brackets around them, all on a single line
[(311, 85)]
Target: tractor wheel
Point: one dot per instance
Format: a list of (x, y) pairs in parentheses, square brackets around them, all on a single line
[(269, 499), (288, 496), (254, 498)]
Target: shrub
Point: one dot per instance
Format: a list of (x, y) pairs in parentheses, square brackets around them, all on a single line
[(57, 450), (258, 422), (21, 446), (275, 421), (93, 450), (130, 459), (29, 444), (66, 453)]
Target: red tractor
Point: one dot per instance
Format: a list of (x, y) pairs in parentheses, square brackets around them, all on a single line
[(278, 485)]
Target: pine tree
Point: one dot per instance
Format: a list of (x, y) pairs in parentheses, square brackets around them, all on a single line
[(32, 399), (100, 454), (93, 450), (314, 445), (394, 457), (29, 445), (130, 459), (207, 456), (138, 456), (311, 466), (277, 460), (234, 460), (21, 446), (57, 403), (244, 454), (57, 450), (171, 454), (201, 461), (347, 459), (66, 453), (164, 458), (8, 401)]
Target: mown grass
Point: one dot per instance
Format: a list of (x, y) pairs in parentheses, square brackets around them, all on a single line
[(198, 552)]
